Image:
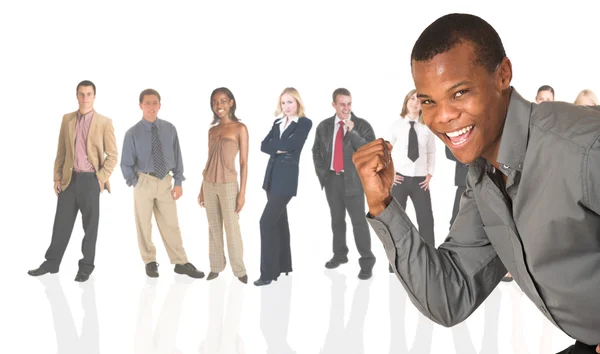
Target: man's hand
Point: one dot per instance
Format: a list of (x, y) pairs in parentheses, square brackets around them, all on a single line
[(425, 184), (57, 187), (201, 199), (375, 168), (349, 124), (241, 200), (598, 349), (176, 192), (398, 179)]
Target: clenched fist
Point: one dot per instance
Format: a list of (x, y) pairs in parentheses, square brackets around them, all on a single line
[(375, 168)]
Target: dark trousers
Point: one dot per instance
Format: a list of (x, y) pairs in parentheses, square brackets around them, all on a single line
[(82, 194), (421, 199), (275, 251), (459, 192), (580, 348), (339, 202)]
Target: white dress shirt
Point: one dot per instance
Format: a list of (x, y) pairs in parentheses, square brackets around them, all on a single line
[(285, 126), (336, 127), (398, 136)]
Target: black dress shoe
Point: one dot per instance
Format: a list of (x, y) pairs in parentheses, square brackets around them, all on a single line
[(39, 271), (212, 275), (334, 263), (261, 282), (244, 279), (189, 270), (365, 274), (81, 277), (152, 269), (507, 279)]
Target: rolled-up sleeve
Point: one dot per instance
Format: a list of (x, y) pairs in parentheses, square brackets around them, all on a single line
[(445, 284)]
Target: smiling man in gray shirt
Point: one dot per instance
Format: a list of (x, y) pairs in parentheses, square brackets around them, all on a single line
[(151, 153), (532, 201)]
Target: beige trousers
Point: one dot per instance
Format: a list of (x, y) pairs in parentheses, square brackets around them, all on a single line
[(152, 195), (220, 200)]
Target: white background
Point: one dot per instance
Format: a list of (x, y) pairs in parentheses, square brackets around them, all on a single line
[(185, 49)]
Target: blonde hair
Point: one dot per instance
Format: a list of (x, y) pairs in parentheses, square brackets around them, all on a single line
[(586, 93), (294, 93), (404, 111)]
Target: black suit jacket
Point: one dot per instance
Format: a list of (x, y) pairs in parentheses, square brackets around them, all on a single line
[(460, 173), (361, 134), (281, 176)]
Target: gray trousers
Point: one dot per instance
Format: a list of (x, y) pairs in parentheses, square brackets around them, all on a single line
[(82, 194)]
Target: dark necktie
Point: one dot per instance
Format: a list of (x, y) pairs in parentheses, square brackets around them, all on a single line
[(338, 154), (157, 154), (413, 143)]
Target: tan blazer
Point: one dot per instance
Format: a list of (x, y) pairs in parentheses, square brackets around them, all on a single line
[(100, 141)]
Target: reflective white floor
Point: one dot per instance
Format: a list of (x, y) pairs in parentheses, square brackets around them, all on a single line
[(336, 313)]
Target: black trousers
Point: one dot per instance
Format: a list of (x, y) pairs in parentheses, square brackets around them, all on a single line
[(421, 199), (339, 202), (275, 251), (82, 194), (459, 191), (580, 348)]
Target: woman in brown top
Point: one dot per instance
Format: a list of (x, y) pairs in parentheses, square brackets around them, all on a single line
[(219, 193)]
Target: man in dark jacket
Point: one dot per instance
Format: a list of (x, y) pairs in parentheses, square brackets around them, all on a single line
[(337, 138)]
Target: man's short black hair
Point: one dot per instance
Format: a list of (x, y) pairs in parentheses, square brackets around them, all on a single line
[(546, 88), (340, 92), (450, 30), (86, 83)]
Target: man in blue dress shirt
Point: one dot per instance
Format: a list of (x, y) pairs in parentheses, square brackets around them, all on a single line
[(151, 153)]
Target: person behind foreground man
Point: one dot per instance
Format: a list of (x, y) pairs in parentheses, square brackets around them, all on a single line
[(532, 201)]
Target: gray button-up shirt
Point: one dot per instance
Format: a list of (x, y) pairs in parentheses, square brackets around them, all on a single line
[(137, 151), (549, 238)]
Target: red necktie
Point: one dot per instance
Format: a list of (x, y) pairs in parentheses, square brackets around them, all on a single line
[(338, 155)]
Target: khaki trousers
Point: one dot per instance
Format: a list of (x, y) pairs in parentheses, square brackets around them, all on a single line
[(220, 200), (152, 195)]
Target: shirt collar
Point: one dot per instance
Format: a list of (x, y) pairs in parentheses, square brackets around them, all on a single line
[(149, 125), (407, 119), (86, 116), (338, 120), (295, 120), (513, 143)]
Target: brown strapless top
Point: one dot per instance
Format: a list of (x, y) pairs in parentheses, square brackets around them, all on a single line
[(220, 167)]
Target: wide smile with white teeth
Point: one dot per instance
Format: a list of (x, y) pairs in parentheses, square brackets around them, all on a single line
[(458, 137)]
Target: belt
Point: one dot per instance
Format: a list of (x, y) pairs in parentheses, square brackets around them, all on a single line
[(150, 174)]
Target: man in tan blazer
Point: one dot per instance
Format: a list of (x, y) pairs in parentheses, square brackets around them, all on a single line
[(85, 159)]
